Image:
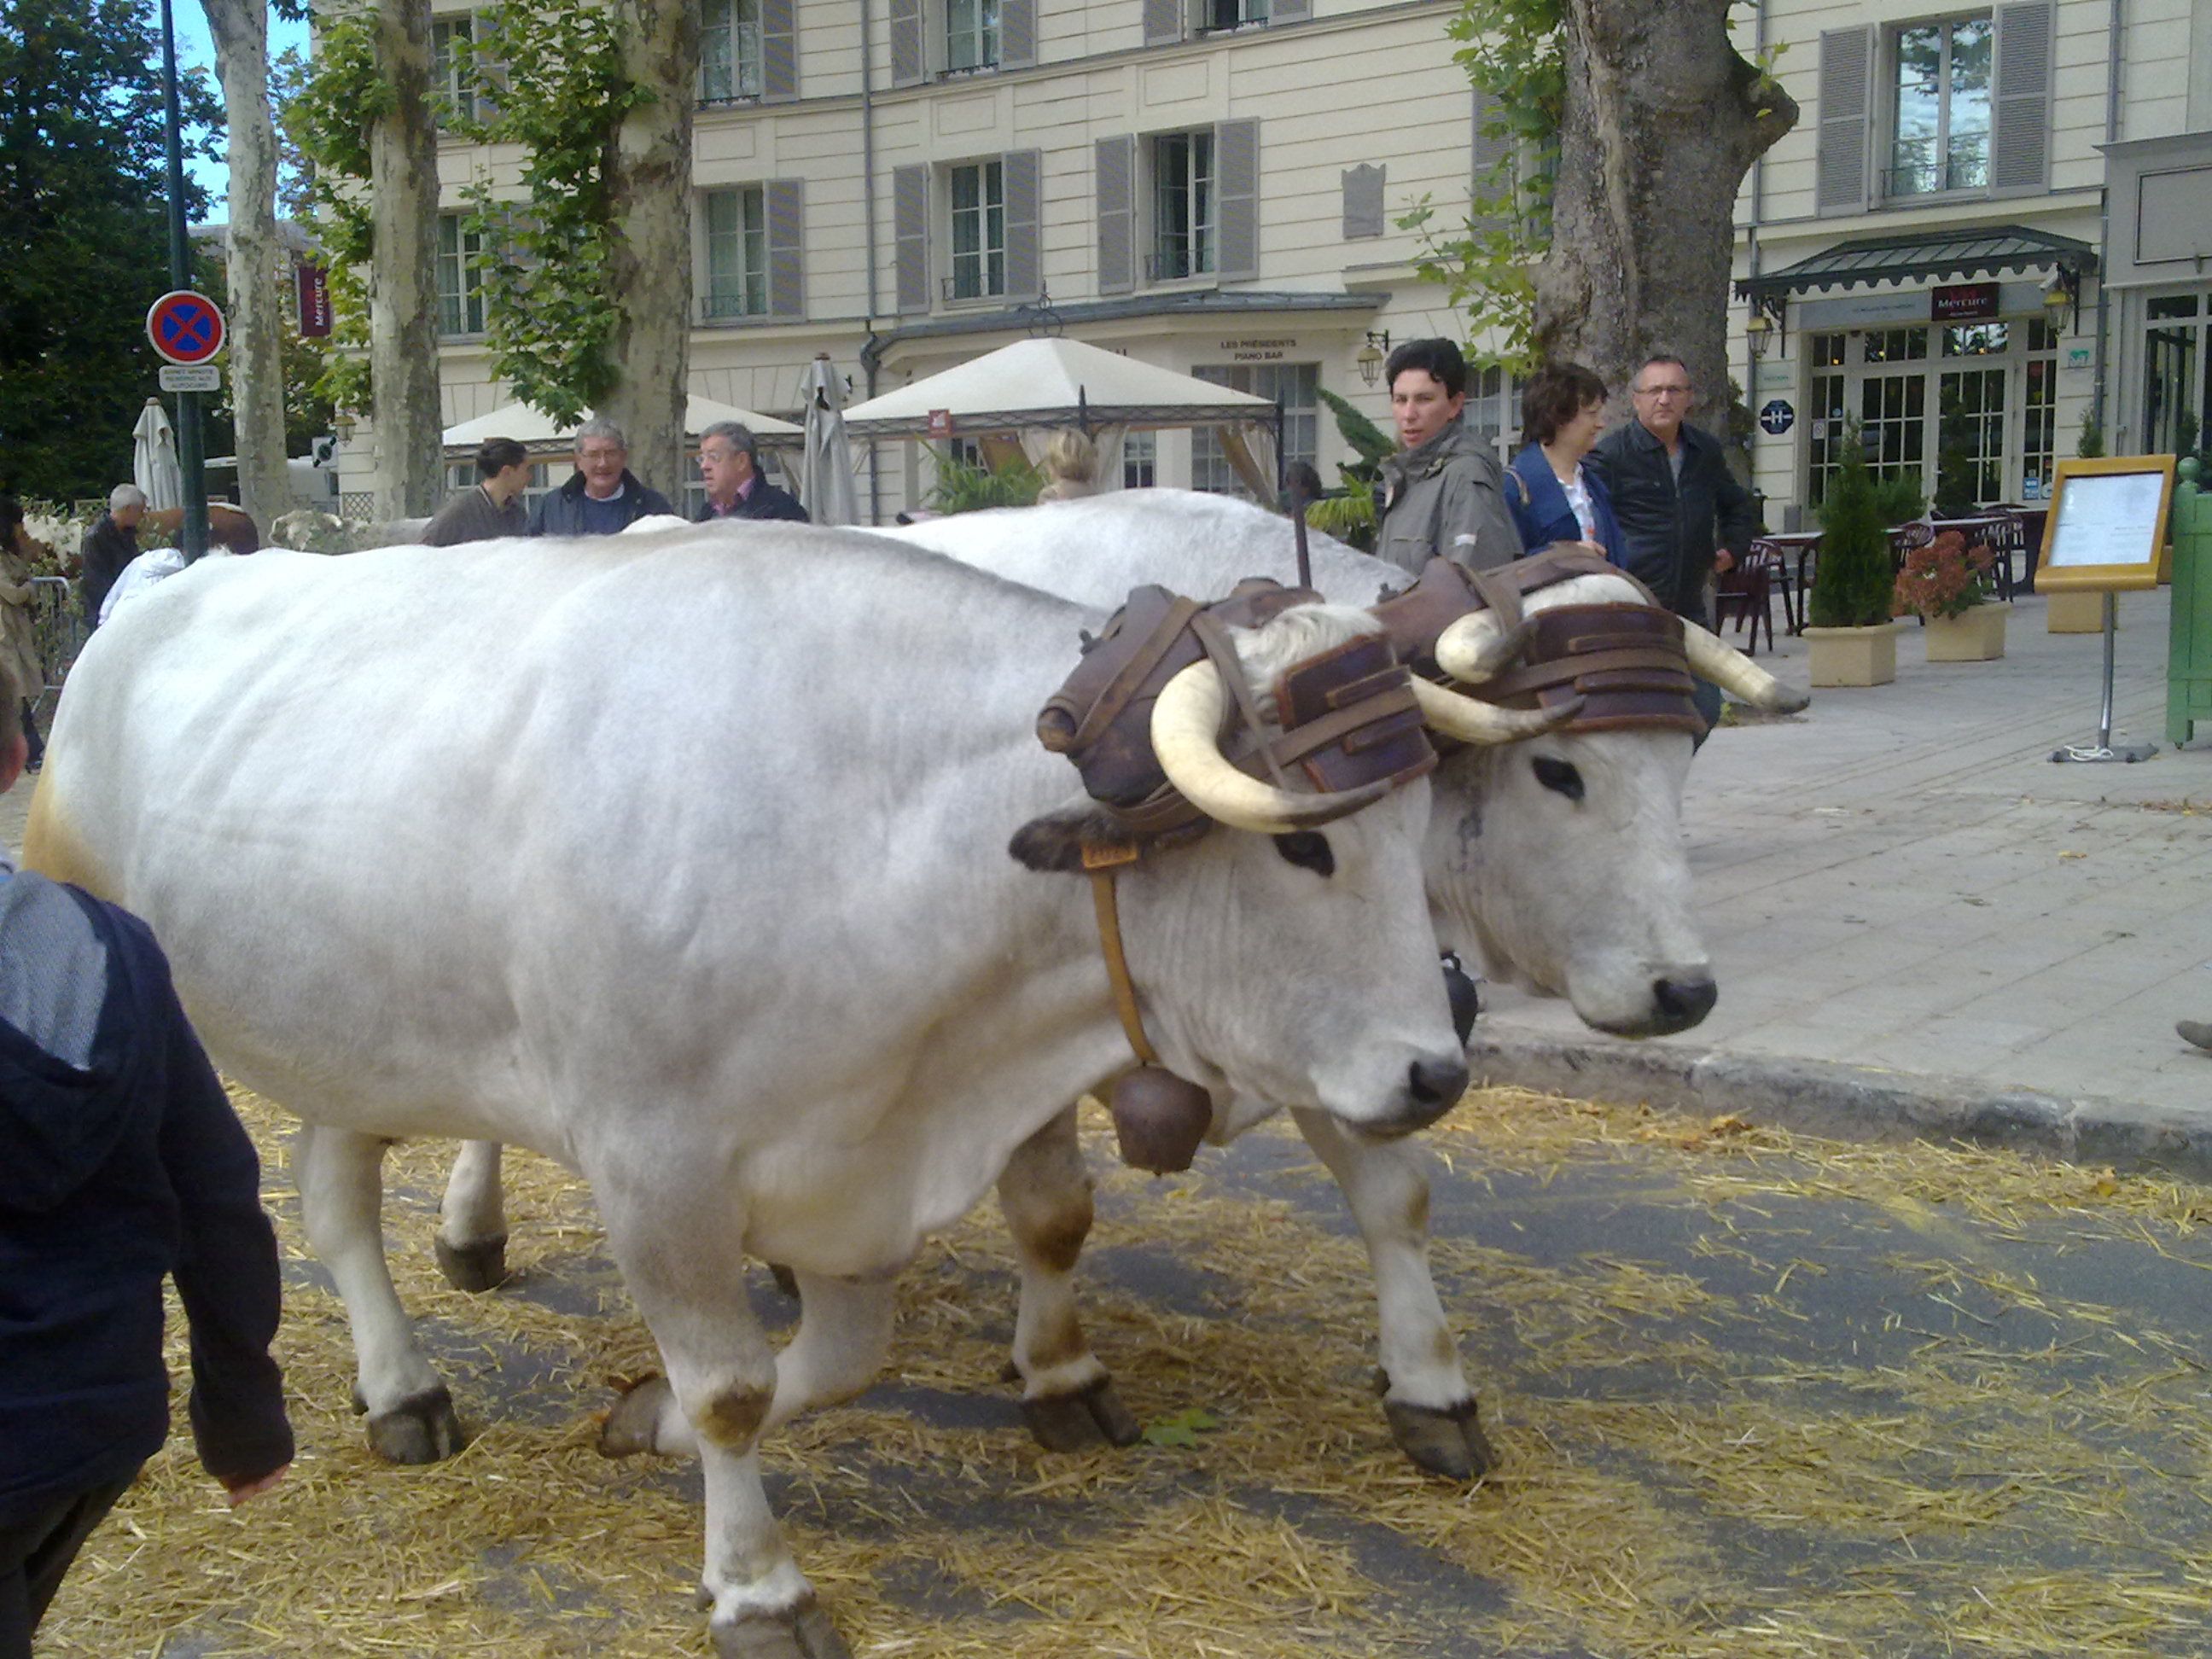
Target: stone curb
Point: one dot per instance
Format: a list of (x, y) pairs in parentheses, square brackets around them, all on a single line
[(1857, 1103)]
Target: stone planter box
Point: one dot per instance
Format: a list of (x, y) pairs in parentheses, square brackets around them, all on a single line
[(1975, 636), (1853, 656)]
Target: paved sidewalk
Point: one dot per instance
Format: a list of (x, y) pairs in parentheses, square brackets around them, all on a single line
[(1901, 879)]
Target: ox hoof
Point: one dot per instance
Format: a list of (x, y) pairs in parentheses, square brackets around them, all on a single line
[(632, 1425), (1076, 1422), (806, 1632), (422, 1430), (1447, 1440), (786, 1280), (478, 1266)]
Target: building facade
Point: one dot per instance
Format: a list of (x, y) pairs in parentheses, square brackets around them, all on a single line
[(1214, 186)]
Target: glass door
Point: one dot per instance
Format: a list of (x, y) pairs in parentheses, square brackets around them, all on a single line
[(2175, 405)]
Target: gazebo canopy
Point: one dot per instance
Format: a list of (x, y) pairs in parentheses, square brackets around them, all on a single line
[(1055, 382), (535, 431)]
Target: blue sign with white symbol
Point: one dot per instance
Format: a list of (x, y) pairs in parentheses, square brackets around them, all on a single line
[(1778, 417), (185, 327)]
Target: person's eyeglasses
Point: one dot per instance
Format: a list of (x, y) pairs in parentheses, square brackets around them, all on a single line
[(1664, 392)]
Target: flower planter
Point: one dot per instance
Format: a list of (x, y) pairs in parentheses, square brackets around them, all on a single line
[(1853, 656), (1975, 634)]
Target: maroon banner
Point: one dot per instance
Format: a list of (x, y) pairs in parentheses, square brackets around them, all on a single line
[(1964, 303), (314, 285)]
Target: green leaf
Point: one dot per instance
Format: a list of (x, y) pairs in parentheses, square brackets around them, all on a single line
[(1182, 1429)]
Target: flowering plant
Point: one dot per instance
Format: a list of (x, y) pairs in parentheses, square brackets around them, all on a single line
[(1947, 578)]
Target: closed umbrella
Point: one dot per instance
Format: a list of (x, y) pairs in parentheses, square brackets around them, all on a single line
[(825, 476), (153, 466)]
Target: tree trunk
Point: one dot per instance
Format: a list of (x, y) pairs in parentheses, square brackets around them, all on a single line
[(402, 286), (255, 259), (1663, 118), (649, 278)]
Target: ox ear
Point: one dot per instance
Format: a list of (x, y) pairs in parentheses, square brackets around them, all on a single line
[(1056, 840)]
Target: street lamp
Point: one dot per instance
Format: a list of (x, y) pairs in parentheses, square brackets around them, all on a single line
[(1371, 354), (1759, 331), (2062, 298)]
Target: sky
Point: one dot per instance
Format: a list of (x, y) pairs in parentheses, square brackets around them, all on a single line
[(194, 47)]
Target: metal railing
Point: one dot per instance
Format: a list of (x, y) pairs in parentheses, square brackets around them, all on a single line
[(58, 627)]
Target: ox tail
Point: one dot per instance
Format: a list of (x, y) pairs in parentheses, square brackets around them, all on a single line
[(52, 849)]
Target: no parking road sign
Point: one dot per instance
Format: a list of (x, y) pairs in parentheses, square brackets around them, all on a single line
[(185, 327)]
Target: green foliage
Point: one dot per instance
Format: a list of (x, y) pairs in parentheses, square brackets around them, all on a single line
[(1182, 1429), (560, 93), (1349, 517), (2092, 446), (1362, 436), (84, 198), (960, 488), (1898, 497), (1851, 584), (326, 111)]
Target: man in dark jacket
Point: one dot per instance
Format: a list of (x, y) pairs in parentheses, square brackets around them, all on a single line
[(124, 1165), (1671, 489), (108, 546), (729, 460), (603, 495)]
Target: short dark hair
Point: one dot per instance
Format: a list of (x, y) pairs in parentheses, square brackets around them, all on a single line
[(1555, 395), (1438, 359), (1659, 357), (495, 455)]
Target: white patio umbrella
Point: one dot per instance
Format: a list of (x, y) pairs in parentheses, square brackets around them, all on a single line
[(826, 475), (153, 465)]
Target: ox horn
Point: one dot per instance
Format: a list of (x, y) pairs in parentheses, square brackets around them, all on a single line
[(1472, 721), (1475, 647), (1185, 718), (1714, 659)]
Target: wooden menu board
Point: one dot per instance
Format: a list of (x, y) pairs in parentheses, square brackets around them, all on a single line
[(2107, 525)]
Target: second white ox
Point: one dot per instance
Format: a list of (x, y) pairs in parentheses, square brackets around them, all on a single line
[(574, 844)]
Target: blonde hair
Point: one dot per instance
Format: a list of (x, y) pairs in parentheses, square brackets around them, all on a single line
[(1071, 455)]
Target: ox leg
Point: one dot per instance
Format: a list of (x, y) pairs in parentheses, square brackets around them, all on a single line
[(472, 1220), (1430, 1409), (340, 1176), (678, 1253), (844, 1331), (1068, 1398)]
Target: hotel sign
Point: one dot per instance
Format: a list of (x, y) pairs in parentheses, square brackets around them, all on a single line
[(1963, 303)]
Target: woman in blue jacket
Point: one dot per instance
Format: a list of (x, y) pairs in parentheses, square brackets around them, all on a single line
[(1553, 499)]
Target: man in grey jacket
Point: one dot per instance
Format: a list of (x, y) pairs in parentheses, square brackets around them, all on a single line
[(1447, 489), (490, 508)]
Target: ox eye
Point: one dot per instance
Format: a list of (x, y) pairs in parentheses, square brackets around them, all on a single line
[(1308, 851), (1554, 774)]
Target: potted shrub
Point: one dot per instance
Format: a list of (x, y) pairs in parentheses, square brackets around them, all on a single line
[(1946, 585), (1852, 640)]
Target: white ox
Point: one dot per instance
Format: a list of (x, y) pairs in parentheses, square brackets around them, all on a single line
[(574, 844), (1558, 859)]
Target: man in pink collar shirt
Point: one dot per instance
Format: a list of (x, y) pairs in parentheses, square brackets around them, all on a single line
[(729, 460)]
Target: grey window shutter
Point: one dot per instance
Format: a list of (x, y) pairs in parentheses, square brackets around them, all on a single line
[(1017, 33), (1289, 11), (1023, 172), (907, 64), (787, 247), (910, 228), (1164, 22), (1117, 214), (779, 50), (1237, 169), (1363, 201), (2020, 126), (1846, 98)]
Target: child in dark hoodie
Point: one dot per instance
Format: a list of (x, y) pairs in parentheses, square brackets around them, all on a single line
[(121, 1164)]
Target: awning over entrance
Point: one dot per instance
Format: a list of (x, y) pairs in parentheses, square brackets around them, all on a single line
[(1929, 257)]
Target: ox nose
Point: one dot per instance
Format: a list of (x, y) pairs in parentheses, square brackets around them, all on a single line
[(1433, 1087), (1683, 1000)]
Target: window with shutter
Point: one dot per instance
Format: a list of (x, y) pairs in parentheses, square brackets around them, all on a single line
[(1164, 22), (2019, 145), (1237, 150), (787, 247), (978, 193), (1024, 171), (1939, 124), (971, 35), (1220, 16), (907, 65), (1363, 201), (729, 51), (1490, 163), (1185, 231), (737, 254), (1840, 173), (460, 277), (1115, 166), (910, 230), (779, 26)]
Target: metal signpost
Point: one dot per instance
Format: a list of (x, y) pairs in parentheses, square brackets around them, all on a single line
[(192, 535), (2107, 529)]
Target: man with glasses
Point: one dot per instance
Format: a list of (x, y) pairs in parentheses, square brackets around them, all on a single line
[(1672, 492), (603, 495)]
